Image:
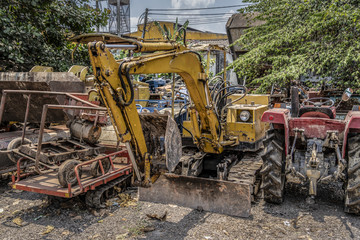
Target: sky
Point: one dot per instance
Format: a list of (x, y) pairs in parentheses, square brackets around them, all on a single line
[(208, 23)]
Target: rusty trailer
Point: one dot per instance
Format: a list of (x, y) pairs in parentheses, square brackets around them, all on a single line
[(47, 182)]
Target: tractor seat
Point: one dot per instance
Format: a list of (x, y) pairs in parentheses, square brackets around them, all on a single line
[(316, 112)]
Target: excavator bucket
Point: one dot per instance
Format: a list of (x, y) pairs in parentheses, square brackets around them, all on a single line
[(163, 138), (200, 193)]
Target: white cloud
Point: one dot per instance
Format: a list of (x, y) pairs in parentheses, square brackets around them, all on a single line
[(191, 3)]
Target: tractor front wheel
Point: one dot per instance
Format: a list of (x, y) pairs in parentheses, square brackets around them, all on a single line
[(273, 177), (352, 191)]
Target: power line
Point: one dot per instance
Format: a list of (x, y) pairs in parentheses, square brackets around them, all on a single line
[(190, 9), (192, 20), (191, 14)]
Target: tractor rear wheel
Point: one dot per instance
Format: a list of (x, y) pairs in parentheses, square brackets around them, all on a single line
[(273, 177), (352, 191)]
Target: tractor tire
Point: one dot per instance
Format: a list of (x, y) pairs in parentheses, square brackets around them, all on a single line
[(273, 177), (14, 144), (352, 191), (95, 169), (66, 174)]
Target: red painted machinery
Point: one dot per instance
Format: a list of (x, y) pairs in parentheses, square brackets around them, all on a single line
[(96, 186), (70, 166), (308, 144)]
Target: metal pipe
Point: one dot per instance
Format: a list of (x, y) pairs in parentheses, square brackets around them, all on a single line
[(25, 120), (133, 161), (41, 132), (145, 23), (293, 145), (50, 106), (173, 96), (2, 105), (7, 91), (225, 67), (121, 46), (118, 18)]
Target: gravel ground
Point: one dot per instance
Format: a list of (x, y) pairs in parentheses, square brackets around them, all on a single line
[(26, 215)]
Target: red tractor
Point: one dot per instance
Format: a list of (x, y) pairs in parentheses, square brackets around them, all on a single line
[(308, 144)]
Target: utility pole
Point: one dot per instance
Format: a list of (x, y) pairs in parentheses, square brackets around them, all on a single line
[(145, 23)]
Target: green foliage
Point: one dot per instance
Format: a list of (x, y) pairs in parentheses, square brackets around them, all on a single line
[(302, 38), (34, 32), (178, 34), (204, 62)]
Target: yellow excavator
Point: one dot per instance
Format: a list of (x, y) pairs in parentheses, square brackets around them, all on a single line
[(218, 171)]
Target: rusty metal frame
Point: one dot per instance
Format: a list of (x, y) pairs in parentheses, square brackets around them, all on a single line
[(91, 185), (34, 92), (46, 107), (122, 153)]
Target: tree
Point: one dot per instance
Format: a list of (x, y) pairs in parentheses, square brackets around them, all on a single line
[(301, 38), (34, 32)]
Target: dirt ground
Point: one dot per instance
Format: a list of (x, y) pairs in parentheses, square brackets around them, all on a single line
[(26, 215)]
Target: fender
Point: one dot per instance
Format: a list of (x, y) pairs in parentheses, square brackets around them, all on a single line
[(352, 125), (278, 116)]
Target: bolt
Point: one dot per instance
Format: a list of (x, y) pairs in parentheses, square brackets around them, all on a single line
[(107, 72), (102, 46)]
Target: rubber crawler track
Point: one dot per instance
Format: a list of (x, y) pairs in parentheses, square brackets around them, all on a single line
[(352, 191), (272, 170), (97, 198)]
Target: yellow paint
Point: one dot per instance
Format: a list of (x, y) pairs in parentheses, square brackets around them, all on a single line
[(142, 92), (263, 99), (153, 33), (79, 71), (250, 131), (41, 69)]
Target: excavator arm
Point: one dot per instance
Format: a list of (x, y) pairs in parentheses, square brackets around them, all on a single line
[(115, 87)]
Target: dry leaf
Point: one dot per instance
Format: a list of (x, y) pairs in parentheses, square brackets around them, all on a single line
[(48, 229), (125, 200), (100, 221), (18, 221), (226, 233), (16, 212)]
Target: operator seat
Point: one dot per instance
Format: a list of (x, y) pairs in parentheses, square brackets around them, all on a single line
[(316, 112)]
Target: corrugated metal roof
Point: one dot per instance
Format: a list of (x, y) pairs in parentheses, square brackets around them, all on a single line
[(241, 20)]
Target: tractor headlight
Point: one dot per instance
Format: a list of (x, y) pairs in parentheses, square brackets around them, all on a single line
[(244, 116)]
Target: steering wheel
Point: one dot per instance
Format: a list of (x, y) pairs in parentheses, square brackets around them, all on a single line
[(317, 102)]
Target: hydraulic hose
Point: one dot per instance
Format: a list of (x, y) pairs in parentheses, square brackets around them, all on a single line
[(127, 77)]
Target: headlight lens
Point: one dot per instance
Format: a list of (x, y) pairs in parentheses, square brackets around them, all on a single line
[(244, 116)]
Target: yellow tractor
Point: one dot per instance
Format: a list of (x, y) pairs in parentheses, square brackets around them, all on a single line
[(217, 171)]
